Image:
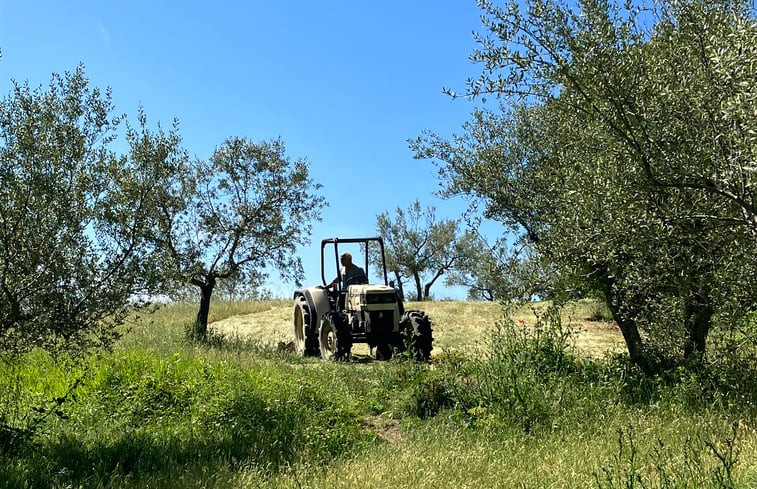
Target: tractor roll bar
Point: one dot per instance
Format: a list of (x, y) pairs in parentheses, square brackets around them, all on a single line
[(335, 241)]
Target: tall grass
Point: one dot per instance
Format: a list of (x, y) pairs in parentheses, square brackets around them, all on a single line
[(144, 414), (525, 408)]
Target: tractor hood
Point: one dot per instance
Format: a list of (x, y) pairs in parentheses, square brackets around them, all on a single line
[(371, 298)]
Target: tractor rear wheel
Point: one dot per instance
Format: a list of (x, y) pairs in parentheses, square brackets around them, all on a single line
[(305, 336)]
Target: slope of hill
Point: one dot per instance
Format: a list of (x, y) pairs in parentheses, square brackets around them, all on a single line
[(458, 326)]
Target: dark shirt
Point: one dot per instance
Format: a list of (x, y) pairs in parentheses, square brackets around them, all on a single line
[(353, 275)]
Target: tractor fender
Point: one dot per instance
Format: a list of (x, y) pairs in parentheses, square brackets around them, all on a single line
[(318, 302)]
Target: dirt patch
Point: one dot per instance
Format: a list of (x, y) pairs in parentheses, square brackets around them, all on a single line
[(384, 426)]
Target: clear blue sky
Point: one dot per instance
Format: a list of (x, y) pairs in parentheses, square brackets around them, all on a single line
[(343, 83)]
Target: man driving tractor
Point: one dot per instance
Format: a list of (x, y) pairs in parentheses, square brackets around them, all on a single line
[(351, 273)]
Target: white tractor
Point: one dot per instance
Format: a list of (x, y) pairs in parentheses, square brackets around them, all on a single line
[(328, 321)]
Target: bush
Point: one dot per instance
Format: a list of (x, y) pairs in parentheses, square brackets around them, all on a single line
[(523, 374)]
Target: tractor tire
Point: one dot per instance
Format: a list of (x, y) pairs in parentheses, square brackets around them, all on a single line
[(305, 335), (417, 338), (334, 340)]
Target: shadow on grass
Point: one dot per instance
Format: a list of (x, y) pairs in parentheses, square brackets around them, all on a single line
[(137, 432), (165, 452), (143, 454)]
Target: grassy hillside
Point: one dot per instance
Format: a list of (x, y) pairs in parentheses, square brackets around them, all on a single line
[(458, 326), (508, 407)]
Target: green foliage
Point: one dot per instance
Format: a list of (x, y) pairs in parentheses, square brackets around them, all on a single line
[(533, 378), (74, 216), (622, 152), (695, 386), (524, 376), (418, 247), (497, 272), (71, 224), (424, 393), (139, 413), (163, 412), (247, 208)]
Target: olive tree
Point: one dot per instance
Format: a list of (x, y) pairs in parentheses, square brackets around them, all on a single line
[(418, 247), (73, 255), (233, 216), (497, 272), (621, 150)]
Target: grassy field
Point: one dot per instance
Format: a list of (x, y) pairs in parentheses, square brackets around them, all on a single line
[(514, 405), (458, 326)]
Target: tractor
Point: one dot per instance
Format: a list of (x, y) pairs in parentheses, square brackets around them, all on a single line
[(329, 320)]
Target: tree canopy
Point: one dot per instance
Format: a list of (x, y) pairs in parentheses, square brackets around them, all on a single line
[(88, 234), (72, 236), (245, 209), (623, 151), (498, 271), (418, 247)]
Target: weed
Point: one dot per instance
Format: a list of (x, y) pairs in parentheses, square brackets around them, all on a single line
[(519, 374), (663, 468), (428, 392)]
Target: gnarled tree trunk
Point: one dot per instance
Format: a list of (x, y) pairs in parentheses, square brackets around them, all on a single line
[(418, 286), (698, 322), (626, 322), (206, 291), (399, 284)]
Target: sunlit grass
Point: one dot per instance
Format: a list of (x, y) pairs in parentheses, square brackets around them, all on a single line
[(165, 326), (458, 326), (162, 411), (436, 455)]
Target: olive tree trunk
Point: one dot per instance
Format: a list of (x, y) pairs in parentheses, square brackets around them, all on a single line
[(699, 320), (201, 323), (418, 286)]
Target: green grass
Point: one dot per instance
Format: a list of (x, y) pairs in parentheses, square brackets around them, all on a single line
[(498, 407)]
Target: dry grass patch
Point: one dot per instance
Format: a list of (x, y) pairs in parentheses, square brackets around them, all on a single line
[(458, 325), (268, 323)]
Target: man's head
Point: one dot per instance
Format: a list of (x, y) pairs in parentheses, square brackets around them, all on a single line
[(346, 259)]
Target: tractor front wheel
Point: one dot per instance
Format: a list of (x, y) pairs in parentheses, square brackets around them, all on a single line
[(334, 338), (416, 332)]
